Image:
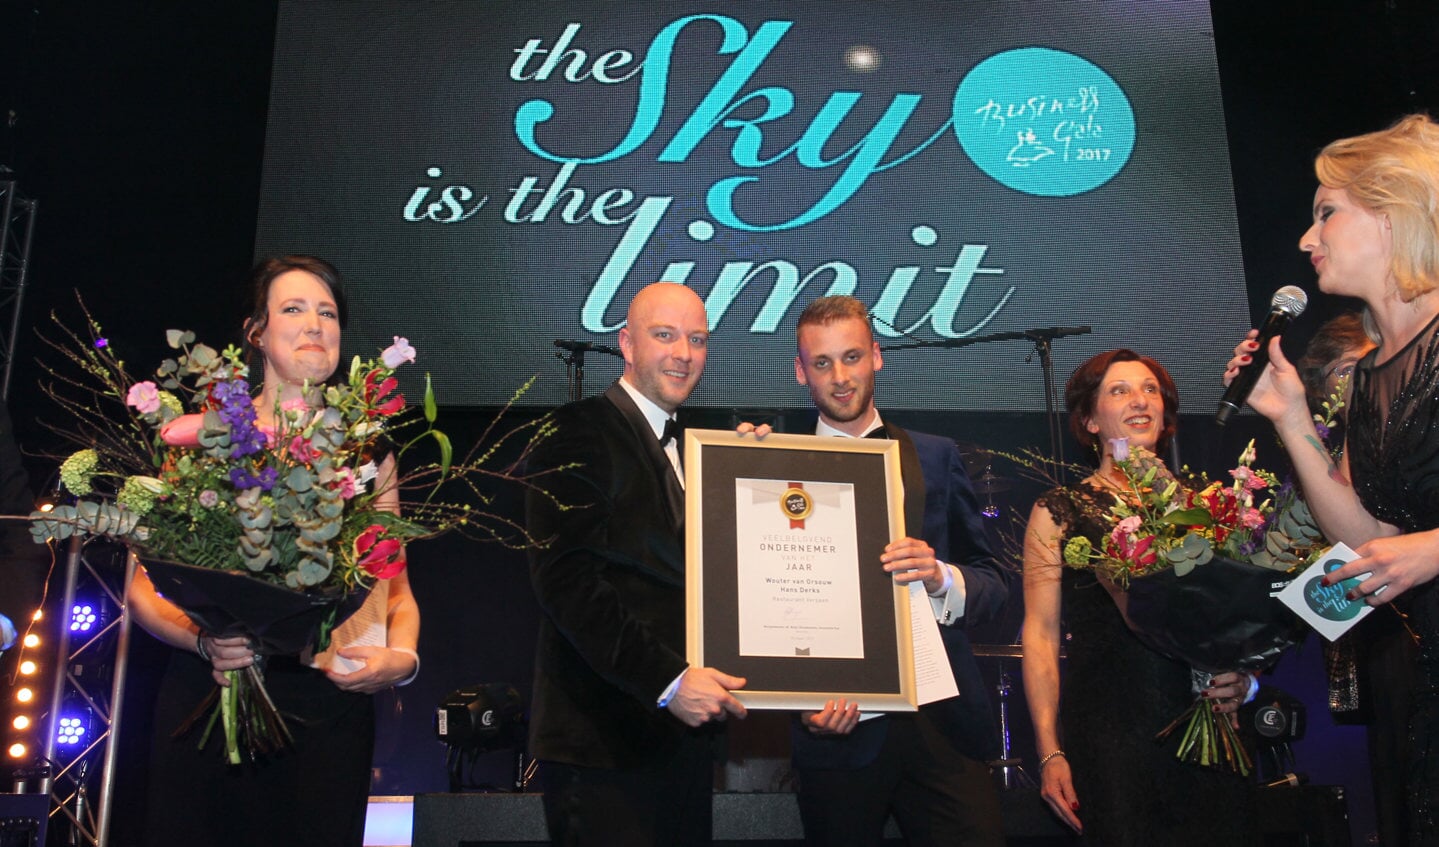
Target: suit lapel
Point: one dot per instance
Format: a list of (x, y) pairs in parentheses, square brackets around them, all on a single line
[(913, 475), (650, 447)]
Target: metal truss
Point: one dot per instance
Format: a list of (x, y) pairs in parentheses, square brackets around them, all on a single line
[(80, 780), (17, 229)]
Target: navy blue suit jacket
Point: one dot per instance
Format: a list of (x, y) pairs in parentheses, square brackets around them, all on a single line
[(939, 502)]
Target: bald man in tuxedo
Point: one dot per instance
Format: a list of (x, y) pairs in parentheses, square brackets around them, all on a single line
[(624, 729)]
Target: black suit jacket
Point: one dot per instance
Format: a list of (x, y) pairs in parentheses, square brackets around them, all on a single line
[(939, 507), (610, 585)]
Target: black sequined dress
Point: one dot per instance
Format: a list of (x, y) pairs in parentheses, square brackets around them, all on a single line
[(1393, 451), (1115, 695)]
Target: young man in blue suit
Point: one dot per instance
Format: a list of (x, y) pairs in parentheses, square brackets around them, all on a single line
[(928, 767), (618, 720)]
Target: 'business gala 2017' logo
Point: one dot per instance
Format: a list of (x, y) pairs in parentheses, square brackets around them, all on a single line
[(1044, 122)]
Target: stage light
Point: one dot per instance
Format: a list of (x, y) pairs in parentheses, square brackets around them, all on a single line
[(38, 616), (18, 750), (24, 695), (27, 668), (84, 617), (73, 728), (481, 718), (21, 722), (32, 641), (50, 499)]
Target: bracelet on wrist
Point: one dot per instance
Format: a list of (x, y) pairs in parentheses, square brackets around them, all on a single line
[(1045, 760), (200, 646)]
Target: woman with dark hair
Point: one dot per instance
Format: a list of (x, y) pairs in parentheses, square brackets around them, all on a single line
[(316, 792), (1331, 356), (1375, 236), (1100, 770)]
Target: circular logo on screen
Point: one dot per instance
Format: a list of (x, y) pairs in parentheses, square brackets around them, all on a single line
[(796, 504), (1044, 122)]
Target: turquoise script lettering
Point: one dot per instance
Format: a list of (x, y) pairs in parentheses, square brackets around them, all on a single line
[(717, 109)]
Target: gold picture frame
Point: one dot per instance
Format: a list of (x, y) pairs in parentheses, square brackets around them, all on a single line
[(737, 490)]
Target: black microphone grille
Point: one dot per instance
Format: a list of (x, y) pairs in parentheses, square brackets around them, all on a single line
[(1291, 300)]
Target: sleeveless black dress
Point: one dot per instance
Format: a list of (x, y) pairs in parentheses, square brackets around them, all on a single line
[(1393, 454), (1115, 695)]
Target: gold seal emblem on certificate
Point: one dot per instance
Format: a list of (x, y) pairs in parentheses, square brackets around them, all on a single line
[(796, 504)]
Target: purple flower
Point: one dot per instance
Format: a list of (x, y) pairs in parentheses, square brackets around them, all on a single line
[(238, 412), (102, 343), (1119, 449), (398, 353), (265, 480), (1323, 431), (209, 498)]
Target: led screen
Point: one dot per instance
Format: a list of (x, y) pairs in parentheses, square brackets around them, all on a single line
[(495, 176)]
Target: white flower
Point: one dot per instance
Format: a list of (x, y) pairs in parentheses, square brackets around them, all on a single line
[(364, 475)]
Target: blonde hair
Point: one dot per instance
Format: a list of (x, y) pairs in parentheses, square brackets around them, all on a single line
[(1395, 172)]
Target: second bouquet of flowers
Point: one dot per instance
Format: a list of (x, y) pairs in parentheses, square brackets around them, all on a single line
[(1193, 569)]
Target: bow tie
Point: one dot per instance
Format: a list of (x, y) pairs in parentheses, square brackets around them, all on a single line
[(672, 430)]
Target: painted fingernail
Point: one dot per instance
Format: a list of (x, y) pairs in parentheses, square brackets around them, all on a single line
[(1214, 708), (1074, 807), (1353, 595)]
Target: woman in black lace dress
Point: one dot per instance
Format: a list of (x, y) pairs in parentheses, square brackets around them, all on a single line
[(1101, 770), (1376, 237)]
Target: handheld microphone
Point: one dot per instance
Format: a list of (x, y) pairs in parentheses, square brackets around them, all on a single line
[(586, 346), (1286, 304)]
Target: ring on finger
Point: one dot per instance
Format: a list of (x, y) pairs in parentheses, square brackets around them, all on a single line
[(1380, 590)]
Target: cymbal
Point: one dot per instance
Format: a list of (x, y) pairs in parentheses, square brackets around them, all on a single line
[(976, 458), (1004, 651), (991, 483), (999, 651)]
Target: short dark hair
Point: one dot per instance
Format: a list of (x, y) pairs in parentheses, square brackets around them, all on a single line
[(1081, 395), (264, 274)]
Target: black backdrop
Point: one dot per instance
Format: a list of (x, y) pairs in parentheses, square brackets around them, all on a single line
[(139, 129)]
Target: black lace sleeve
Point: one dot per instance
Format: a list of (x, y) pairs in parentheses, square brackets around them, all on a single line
[(1078, 510)]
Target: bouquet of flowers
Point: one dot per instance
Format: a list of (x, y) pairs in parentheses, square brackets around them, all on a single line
[(1160, 524), (279, 530), (1193, 569)]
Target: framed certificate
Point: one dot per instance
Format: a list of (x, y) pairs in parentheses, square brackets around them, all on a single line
[(783, 580)]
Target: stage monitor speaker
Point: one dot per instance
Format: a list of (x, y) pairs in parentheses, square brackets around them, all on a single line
[(22, 819)]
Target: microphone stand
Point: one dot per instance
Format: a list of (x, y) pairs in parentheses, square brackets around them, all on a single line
[(574, 359), (1043, 338), (574, 373)]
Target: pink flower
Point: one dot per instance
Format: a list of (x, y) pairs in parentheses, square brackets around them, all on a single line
[(208, 498), (1125, 528), (301, 451), (144, 396), (183, 431), (345, 483), (381, 557), (1249, 478), (1251, 518), (398, 353)]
